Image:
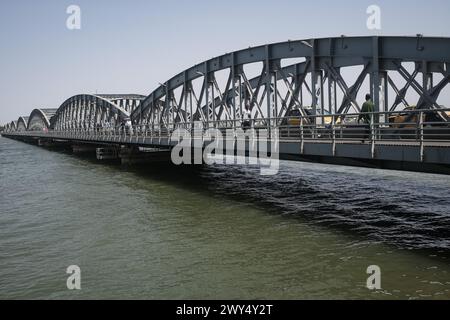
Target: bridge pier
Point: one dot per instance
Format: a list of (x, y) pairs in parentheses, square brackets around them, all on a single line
[(108, 153), (84, 149), (52, 144), (135, 155)]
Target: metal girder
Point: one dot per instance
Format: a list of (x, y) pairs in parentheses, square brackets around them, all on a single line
[(355, 50)]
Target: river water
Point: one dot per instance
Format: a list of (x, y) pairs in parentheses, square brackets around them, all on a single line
[(222, 232)]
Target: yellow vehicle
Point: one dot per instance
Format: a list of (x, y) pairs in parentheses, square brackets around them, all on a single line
[(294, 116), (413, 118)]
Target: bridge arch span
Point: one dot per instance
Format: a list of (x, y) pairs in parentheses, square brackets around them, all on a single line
[(314, 84), (22, 123), (39, 119), (87, 111)]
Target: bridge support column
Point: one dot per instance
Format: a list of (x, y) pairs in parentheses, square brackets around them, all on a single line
[(134, 155), (51, 144), (108, 153), (84, 149)]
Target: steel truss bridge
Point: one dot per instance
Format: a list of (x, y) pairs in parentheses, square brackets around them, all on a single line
[(307, 93)]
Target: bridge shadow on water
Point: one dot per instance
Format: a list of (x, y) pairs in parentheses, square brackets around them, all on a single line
[(315, 200), (362, 209)]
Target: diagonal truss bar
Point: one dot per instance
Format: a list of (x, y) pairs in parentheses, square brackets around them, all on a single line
[(400, 98), (349, 93), (254, 95), (294, 92)]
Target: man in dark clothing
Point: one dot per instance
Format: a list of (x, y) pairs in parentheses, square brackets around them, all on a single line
[(367, 108)]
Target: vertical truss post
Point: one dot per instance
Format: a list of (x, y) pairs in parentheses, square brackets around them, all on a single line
[(72, 106), (79, 102), (187, 102), (166, 112), (313, 80), (206, 88), (81, 110), (66, 116), (318, 95), (274, 78), (63, 118), (153, 115), (302, 140), (383, 96), (332, 85), (141, 118), (421, 136), (213, 99), (81, 116), (241, 96), (372, 135), (237, 97), (298, 85), (88, 114), (71, 115), (332, 99), (233, 86), (375, 76), (268, 89), (98, 114), (272, 98), (85, 116), (427, 78), (191, 114), (300, 91), (91, 113), (333, 134), (172, 109), (321, 95), (76, 114)]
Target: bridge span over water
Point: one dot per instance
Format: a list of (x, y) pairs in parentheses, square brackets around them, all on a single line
[(306, 94)]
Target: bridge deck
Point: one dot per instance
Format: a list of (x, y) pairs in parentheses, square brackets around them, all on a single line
[(420, 152)]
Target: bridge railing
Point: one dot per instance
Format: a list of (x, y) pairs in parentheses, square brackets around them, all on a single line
[(417, 126), (413, 125)]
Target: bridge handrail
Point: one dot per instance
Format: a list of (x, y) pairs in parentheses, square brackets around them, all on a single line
[(323, 127)]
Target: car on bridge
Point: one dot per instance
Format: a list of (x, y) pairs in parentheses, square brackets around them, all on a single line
[(345, 126), (293, 118), (432, 117), (436, 124)]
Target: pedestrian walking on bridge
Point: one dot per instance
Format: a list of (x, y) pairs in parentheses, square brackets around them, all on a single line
[(366, 117)]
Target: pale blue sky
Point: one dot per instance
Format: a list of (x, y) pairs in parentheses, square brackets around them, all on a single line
[(131, 46)]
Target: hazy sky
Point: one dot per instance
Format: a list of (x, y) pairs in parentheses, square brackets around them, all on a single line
[(131, 46)]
